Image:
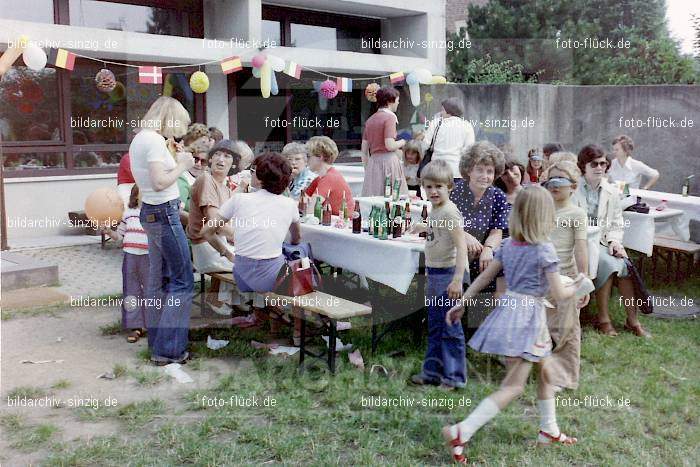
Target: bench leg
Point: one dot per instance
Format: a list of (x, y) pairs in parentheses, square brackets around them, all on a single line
[(374, 338), (654, 259), (202, 294), (302, 342), (331, 345)]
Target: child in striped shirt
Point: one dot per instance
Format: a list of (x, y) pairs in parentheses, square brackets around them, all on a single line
[(134, 267)]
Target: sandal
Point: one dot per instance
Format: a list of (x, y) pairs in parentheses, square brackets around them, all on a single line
[(453, 443), (637, 330), (545, 439), (606, 328), (134, 336)]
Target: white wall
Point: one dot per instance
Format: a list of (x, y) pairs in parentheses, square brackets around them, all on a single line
[(48, 200)]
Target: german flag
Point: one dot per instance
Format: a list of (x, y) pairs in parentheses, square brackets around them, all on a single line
[(231, 64), (62, 58)]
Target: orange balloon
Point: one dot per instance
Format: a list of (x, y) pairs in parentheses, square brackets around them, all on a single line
[(104, 207)]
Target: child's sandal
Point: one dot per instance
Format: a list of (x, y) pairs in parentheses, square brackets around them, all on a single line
[(453, 443), (134, 336), (545, 439)]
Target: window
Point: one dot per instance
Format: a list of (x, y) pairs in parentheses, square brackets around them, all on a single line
[(37, 11), (314, 30), (272, 31), (29, 111), (56, 122)]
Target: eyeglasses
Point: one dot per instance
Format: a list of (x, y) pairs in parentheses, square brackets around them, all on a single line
[(252, 169), (200, 160), (594, 164)]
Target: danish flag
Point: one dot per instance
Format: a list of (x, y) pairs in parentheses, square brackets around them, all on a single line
[(150, 75)]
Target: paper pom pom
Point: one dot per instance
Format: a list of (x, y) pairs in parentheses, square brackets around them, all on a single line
[(428, 97), (34, 57), (371, 92), (258, 60), (118, 93), (105, 81), (328, 89), (199, 82), (438, 79)]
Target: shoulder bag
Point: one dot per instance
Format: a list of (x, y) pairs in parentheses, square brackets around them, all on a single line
[(428, 156)]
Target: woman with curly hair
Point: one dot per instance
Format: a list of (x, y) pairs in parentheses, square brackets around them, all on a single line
[(484, 207)]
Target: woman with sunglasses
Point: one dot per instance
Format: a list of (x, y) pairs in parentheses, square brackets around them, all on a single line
[(200, 152), (601, 202), (570, 239)]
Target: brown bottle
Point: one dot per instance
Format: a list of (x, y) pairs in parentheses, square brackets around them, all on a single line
[(387, 207), (327, 213), (424, 216), (407, 216), (398, 223), (357, 219)]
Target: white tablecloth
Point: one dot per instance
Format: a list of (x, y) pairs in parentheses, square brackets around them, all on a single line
[(390, 262), (640, 229), (690, 205)]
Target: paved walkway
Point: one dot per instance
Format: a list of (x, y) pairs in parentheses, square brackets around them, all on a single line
[(85, 270)]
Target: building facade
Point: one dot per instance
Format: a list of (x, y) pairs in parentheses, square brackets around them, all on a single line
[(62, 138)]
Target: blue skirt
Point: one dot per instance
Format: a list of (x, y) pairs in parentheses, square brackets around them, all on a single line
[(517, 327), (256, 275)]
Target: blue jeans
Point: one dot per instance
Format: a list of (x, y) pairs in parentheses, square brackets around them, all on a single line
[(445, 359), (170, 284)]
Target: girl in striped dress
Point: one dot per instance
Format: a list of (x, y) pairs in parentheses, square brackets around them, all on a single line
[(134, 267), (517, 327)]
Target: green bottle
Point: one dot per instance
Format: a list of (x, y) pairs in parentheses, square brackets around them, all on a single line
[(387, 187), (397, 189), (370, 220), (344, 208), (376, 220), (318, 208), (384, 223)]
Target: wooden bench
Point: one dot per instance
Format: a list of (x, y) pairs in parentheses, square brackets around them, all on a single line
[(672, 251), (328, 308)]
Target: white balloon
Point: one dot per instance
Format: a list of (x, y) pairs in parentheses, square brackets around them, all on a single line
[(276, 63), (34, 57), (424, 76), (414, 89)]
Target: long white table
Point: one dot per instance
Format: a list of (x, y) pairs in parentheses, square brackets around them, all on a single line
[(640, 229)]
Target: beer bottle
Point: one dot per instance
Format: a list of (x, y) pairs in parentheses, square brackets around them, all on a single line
[(327, 212), (387, 187), (318, 208), (424, 216), (398, 223), (384, 226), (397, 188), (387, 207), (356, 219), (370, 222), (344, 208), (407, 216)]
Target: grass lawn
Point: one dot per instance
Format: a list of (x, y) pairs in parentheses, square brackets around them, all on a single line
[(316, 419)]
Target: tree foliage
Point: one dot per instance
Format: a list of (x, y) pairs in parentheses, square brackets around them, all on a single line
[(541, 36)]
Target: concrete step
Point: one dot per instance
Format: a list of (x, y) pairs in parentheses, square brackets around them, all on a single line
[(21, 272)]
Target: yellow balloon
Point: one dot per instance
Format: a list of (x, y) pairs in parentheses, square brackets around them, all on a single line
[(265, 79), (437, 79), (199, 82)]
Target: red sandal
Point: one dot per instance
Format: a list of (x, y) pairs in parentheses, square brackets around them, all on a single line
[(545, 439), (453, 443)]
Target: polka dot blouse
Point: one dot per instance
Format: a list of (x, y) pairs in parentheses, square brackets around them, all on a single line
[(491, 212)]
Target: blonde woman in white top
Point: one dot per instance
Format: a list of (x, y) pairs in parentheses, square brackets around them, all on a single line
[(454, 136), (170, 283), (626, 169)]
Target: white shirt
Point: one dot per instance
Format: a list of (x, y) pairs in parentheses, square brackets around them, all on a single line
[(260, 222), (632, 172), (453, 137), (148, 146)]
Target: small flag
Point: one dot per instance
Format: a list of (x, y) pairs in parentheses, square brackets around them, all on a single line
[(231, 64), (344, 84), (293, 70), (397, 77), (150, 75), (62, 58)]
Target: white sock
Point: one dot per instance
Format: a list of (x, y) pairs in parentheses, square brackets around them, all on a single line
[(548, 416), (484, 412)]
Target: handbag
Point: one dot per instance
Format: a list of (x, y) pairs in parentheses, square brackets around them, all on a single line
[(428, 156), (641, 294), (298, 275)]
